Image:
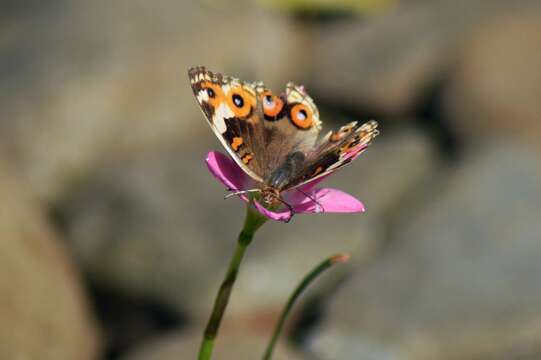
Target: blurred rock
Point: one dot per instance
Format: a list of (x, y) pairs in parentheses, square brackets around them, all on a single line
[(282, 254), (497, 84), (155, 226), (387, 64), (460, 280), (109, 80), (227, 347), (330, 7), (43, 309)]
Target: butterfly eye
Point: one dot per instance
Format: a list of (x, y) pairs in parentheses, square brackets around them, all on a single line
[(272, 105), (301, 116), (240, 101)]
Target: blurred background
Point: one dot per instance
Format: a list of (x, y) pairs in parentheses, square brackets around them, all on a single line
[(114, 237)]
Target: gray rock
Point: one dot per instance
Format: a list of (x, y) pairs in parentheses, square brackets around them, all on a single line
[(228, 346), (496, 86), (332, 7), (44, 311), (386, 63), (460, 280), (282, 254), (154, 226)]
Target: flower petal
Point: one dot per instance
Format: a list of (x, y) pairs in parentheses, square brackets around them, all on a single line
[(328, 200), (310, 185), (297, 195), (305, 199), (284, 215), (227, 171)]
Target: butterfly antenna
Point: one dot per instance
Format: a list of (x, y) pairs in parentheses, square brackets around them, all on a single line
[(311, 198), (240, 192)]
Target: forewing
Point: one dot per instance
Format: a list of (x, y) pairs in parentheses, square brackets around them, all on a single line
[(231, 108)]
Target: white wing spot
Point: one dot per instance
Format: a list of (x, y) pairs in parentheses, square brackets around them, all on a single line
[(202, 96), (221, 113), (226, 89)]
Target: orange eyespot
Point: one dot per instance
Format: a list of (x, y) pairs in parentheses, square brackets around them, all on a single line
[(301, 116), (272, 105), (214, 92), (240, 101)]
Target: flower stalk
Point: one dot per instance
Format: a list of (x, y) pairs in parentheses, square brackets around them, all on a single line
[(253, 221), (324, 265)]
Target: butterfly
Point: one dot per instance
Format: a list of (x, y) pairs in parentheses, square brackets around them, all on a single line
[(274, 138)]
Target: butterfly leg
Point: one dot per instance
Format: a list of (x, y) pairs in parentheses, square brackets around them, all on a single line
[(240, 192), (289, 207), (319, 206)]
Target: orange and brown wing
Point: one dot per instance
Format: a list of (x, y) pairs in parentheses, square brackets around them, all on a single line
[(257, 128), (230, 107)]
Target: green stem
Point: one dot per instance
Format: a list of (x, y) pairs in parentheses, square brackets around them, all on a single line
[(252, 222), (324, 265)]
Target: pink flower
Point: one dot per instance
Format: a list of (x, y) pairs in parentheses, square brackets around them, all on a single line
[(300, 199)]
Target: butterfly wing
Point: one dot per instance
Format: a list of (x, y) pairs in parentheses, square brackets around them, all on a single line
[(231, 108), (291, 124), (335, 150), (257, 128)]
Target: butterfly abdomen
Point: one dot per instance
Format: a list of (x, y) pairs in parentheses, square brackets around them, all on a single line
[(281, 177)]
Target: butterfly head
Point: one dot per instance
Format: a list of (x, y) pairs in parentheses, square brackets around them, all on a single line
[(270, 195)]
